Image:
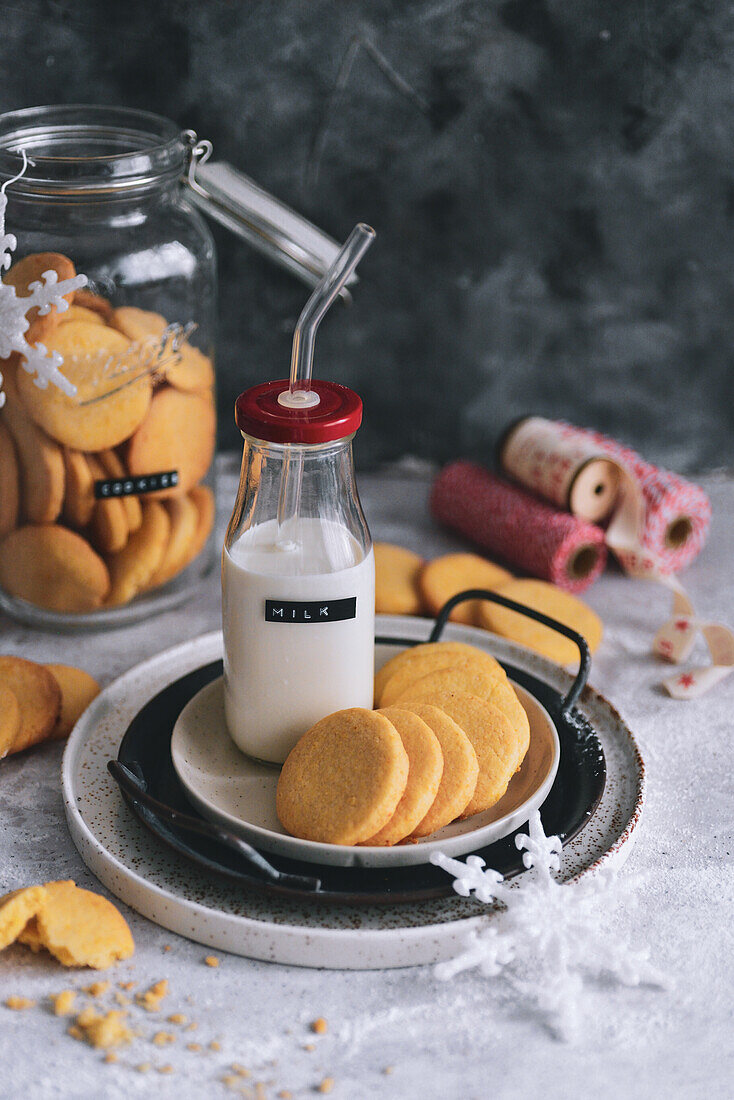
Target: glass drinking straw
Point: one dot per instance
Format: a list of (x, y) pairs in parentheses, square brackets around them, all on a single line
[(299, 395)]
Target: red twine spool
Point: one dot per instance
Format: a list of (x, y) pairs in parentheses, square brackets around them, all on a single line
[(514, 525)]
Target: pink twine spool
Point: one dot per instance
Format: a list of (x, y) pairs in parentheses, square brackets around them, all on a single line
[(677, 512), (514, 525)]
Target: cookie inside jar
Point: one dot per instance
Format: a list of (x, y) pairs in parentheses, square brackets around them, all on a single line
[(107, 497)]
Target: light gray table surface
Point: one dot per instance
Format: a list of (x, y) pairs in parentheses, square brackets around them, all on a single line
[(462, 1039)]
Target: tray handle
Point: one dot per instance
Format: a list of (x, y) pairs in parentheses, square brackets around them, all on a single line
[(484, 594), (134, 786)]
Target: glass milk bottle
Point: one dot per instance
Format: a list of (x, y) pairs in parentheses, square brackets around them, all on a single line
[(298, 574)]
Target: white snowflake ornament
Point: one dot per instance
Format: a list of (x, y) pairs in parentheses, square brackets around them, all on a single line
[(45, 294), (545, 938)]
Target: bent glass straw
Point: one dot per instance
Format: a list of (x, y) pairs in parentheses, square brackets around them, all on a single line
[(299, 395)]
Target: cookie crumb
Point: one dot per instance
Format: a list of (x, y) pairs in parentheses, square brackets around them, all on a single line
[(284, 1094), (63, 1003), (127, 985), (168, 1068), (75, 1032), (215, 1045), (143, 1067), (166, 947), (103, 1032), (163, 1038), (309, 1047), (320, 1026), (194, 1047), (151, 999), (122, 1000), (388, 1070), (326, 1085), (211, 960), (96, 989), (241, 1071), (19, 1003), (110, 1058), (192, 1026), (177, 1018)]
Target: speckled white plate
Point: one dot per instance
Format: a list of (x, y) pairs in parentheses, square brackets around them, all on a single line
[(171, 892), (239, 794)]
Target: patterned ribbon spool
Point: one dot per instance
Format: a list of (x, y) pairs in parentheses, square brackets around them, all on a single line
[(656, 523)]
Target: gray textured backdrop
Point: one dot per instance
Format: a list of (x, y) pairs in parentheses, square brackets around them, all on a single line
[(552, 182)]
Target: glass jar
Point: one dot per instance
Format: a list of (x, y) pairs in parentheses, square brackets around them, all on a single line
[(298, 575), (115, 483)]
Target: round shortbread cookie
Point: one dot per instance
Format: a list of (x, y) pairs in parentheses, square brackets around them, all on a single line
[(425, 767), (480, 682), (81, 313), (203, 498), (16, 909), (30, 270), (551, 601), (108, 528), (396, 580), (460, 770), (10, 720), (39, 698), (80, 928), (78, 689), (112, 396), (9, 482), (444, 577), (54, 568), (426, 658), (40, 460), (132, 568), (429, 663), (186, 368), (79, 489), (177, 434), (113, 467), (495, 743), (184, 517), (343, 780)]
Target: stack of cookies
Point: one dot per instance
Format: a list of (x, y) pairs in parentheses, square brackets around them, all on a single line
[(447, 737), (143, 406), (40, 702), (405, 584)]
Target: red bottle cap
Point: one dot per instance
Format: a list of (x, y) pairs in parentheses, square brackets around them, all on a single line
[(338, 413)]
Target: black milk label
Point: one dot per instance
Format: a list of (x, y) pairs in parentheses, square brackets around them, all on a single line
[(133, 486), (310, 611)]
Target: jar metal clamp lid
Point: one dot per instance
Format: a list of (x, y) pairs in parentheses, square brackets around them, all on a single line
[(267, 224)]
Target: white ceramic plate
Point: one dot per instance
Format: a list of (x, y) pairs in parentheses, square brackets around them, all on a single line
[(239, 794), (169, 890)]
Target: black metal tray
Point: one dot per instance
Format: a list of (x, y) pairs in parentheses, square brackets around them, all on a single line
[(153, 792)]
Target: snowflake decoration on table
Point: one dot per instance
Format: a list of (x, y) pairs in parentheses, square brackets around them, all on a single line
[(545, 936), (45, 293)]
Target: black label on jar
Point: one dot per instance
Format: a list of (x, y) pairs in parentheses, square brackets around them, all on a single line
[(133, 486), (311, 611)]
